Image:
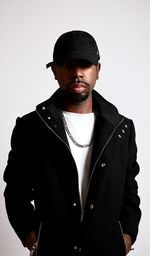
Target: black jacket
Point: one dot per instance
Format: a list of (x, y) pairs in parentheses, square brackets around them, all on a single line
[(41, 168)]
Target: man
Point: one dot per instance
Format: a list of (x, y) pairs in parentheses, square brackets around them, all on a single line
[(70, 177)]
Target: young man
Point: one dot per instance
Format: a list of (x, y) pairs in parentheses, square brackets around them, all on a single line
[(75, 158)]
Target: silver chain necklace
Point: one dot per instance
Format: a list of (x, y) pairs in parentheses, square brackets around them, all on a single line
[(71, 137)]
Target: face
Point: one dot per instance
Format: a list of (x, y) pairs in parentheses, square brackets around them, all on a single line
[(76, 79)]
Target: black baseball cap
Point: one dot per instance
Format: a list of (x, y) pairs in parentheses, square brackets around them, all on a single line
[(75, 44)]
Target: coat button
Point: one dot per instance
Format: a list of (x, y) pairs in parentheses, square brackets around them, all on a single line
[(103, 164), (43, 108), (74, 204), (75, 247), (91, 206), (119, 136)]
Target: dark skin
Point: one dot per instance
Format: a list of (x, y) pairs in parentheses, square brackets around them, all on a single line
[(76, 79)]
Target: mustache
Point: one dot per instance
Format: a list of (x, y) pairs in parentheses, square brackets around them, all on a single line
[(77, 81)]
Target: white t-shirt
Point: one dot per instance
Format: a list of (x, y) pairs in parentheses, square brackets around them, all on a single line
[(81, 128)]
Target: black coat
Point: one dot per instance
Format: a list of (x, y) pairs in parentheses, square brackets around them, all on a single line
[(41, 168)]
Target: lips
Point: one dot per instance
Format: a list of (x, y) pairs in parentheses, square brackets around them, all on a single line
[(77, 87)]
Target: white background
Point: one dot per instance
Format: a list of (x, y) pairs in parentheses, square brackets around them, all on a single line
[(28, 31)]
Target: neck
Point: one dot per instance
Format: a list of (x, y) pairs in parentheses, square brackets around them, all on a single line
[(82, 107)]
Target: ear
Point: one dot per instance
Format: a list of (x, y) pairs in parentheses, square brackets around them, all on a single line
[(98, 67), (53, 68)]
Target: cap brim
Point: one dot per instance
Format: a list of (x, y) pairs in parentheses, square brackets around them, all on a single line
[(48, 65), (79, 55), (75, 55)]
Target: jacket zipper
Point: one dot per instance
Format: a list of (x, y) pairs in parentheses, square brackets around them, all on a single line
[(121, 229), (38, 238), (110, 137), (52, 130), (82, 214)]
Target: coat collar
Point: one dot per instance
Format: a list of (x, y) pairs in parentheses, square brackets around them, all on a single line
[(51, 108), (107, 119), (106, 110)]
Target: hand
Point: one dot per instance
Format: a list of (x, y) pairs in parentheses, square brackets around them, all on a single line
[(128, 242), (30, 240), (33, 250)]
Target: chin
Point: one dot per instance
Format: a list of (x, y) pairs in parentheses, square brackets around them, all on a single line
[(77, 97)]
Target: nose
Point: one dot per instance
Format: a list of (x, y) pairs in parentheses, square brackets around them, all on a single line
[(77, 72)]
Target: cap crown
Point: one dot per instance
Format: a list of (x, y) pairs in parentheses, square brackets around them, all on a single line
[(75, 44)]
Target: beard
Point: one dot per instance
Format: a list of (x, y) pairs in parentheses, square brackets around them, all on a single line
[(76, 97)]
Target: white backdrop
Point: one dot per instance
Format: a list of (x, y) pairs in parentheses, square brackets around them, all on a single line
[(28, 31)]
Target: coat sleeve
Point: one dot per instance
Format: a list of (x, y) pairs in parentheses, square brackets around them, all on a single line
[(19, 179), (130, 210)]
